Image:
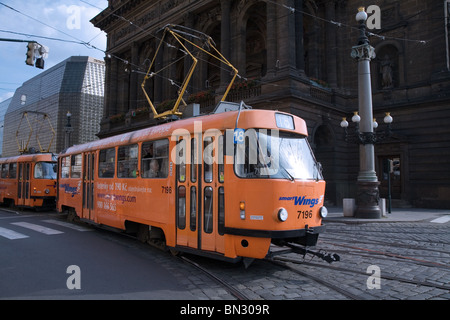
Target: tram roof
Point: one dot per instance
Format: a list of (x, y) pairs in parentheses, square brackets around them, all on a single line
[(253, 118), (30, 158)]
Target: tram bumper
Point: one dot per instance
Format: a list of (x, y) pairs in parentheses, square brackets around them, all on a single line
[(275, 234), (255, 243)]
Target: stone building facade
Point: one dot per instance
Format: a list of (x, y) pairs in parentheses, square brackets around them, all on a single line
[(294, 55), (76, 85)]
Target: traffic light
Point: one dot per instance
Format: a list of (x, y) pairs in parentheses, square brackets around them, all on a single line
[(30, 53), (40, 63), (43, 54), (36, 53)]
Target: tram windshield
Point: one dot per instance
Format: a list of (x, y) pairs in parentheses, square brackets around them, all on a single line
[(273, 154), (45, 170)]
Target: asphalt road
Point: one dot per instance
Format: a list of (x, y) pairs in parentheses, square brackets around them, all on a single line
[(44, 257)]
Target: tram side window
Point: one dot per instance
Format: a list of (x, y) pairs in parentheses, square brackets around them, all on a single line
[(220, 166), (221, 210), (181, 220), (193, 211), (76, 166), (180, 154), (12, 170), (127, 160), (208, 159), (65, 167), (45, 170), (155, 159), (106, 160), (208, 210), (5, 170)]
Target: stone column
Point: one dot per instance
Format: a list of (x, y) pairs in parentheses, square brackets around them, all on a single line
[(299, 51), (330, 15), (271, 43), (225, 41), (286, 39), (133, 86), (114, 75)]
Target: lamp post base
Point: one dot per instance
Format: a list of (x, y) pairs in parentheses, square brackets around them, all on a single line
[(367, 200)]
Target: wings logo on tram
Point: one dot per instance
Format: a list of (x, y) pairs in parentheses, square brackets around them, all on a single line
[(29, 180), (214, 184)]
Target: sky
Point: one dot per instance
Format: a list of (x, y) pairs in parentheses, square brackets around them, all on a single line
[(61, 19)]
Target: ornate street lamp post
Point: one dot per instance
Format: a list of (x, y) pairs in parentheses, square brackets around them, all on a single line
[(367, 199), (68, 130)]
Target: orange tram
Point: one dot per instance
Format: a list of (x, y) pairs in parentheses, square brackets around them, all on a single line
[(225, 185), (29, 180)]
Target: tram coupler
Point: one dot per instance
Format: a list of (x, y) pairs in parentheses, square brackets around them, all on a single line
[(295, 248), (328, 257)]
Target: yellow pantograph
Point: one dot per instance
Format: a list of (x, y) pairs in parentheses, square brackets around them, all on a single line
[(177, 34), (23, 146)]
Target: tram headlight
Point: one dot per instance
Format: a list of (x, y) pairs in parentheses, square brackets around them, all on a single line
[(47, 191), (282, 214), (323, 212)]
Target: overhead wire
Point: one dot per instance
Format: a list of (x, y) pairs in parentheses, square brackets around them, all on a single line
[(41, 37)]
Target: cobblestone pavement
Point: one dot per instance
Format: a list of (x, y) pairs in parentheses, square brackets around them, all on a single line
[(388, 260)]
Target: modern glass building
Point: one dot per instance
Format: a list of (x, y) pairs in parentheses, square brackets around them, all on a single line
[(36, 118), (3, 108)]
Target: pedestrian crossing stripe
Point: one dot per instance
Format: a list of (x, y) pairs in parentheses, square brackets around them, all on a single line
[(10, 234), (37, 228), (13, 235), (68, 225), (443, 219)]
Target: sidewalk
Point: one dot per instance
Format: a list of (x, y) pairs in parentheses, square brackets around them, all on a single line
[(335, 214)]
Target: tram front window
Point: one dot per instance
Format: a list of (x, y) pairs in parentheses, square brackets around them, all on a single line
[(45, 170), (273, 154)]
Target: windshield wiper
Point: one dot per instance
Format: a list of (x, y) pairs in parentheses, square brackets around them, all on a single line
[(289, 176)]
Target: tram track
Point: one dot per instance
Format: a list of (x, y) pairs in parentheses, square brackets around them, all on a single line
[(390, 244), (353, 271), (239, 295), (392, 258), (279, 262), (394, 255)]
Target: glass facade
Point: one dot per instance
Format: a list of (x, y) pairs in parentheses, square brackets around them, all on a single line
[(3, 108), (76, 85)]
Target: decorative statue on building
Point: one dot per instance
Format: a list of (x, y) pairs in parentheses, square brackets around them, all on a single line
[(386, 70)]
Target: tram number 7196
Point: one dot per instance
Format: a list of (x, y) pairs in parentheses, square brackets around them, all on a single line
[(304, 214)]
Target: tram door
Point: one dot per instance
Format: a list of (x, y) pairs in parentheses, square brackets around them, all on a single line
[(187, 174), (197, 194), (23, 191), (88, 185), (213, 194)]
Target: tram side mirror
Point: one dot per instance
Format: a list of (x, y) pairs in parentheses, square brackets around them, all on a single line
[(319, 167), (319, 170)]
